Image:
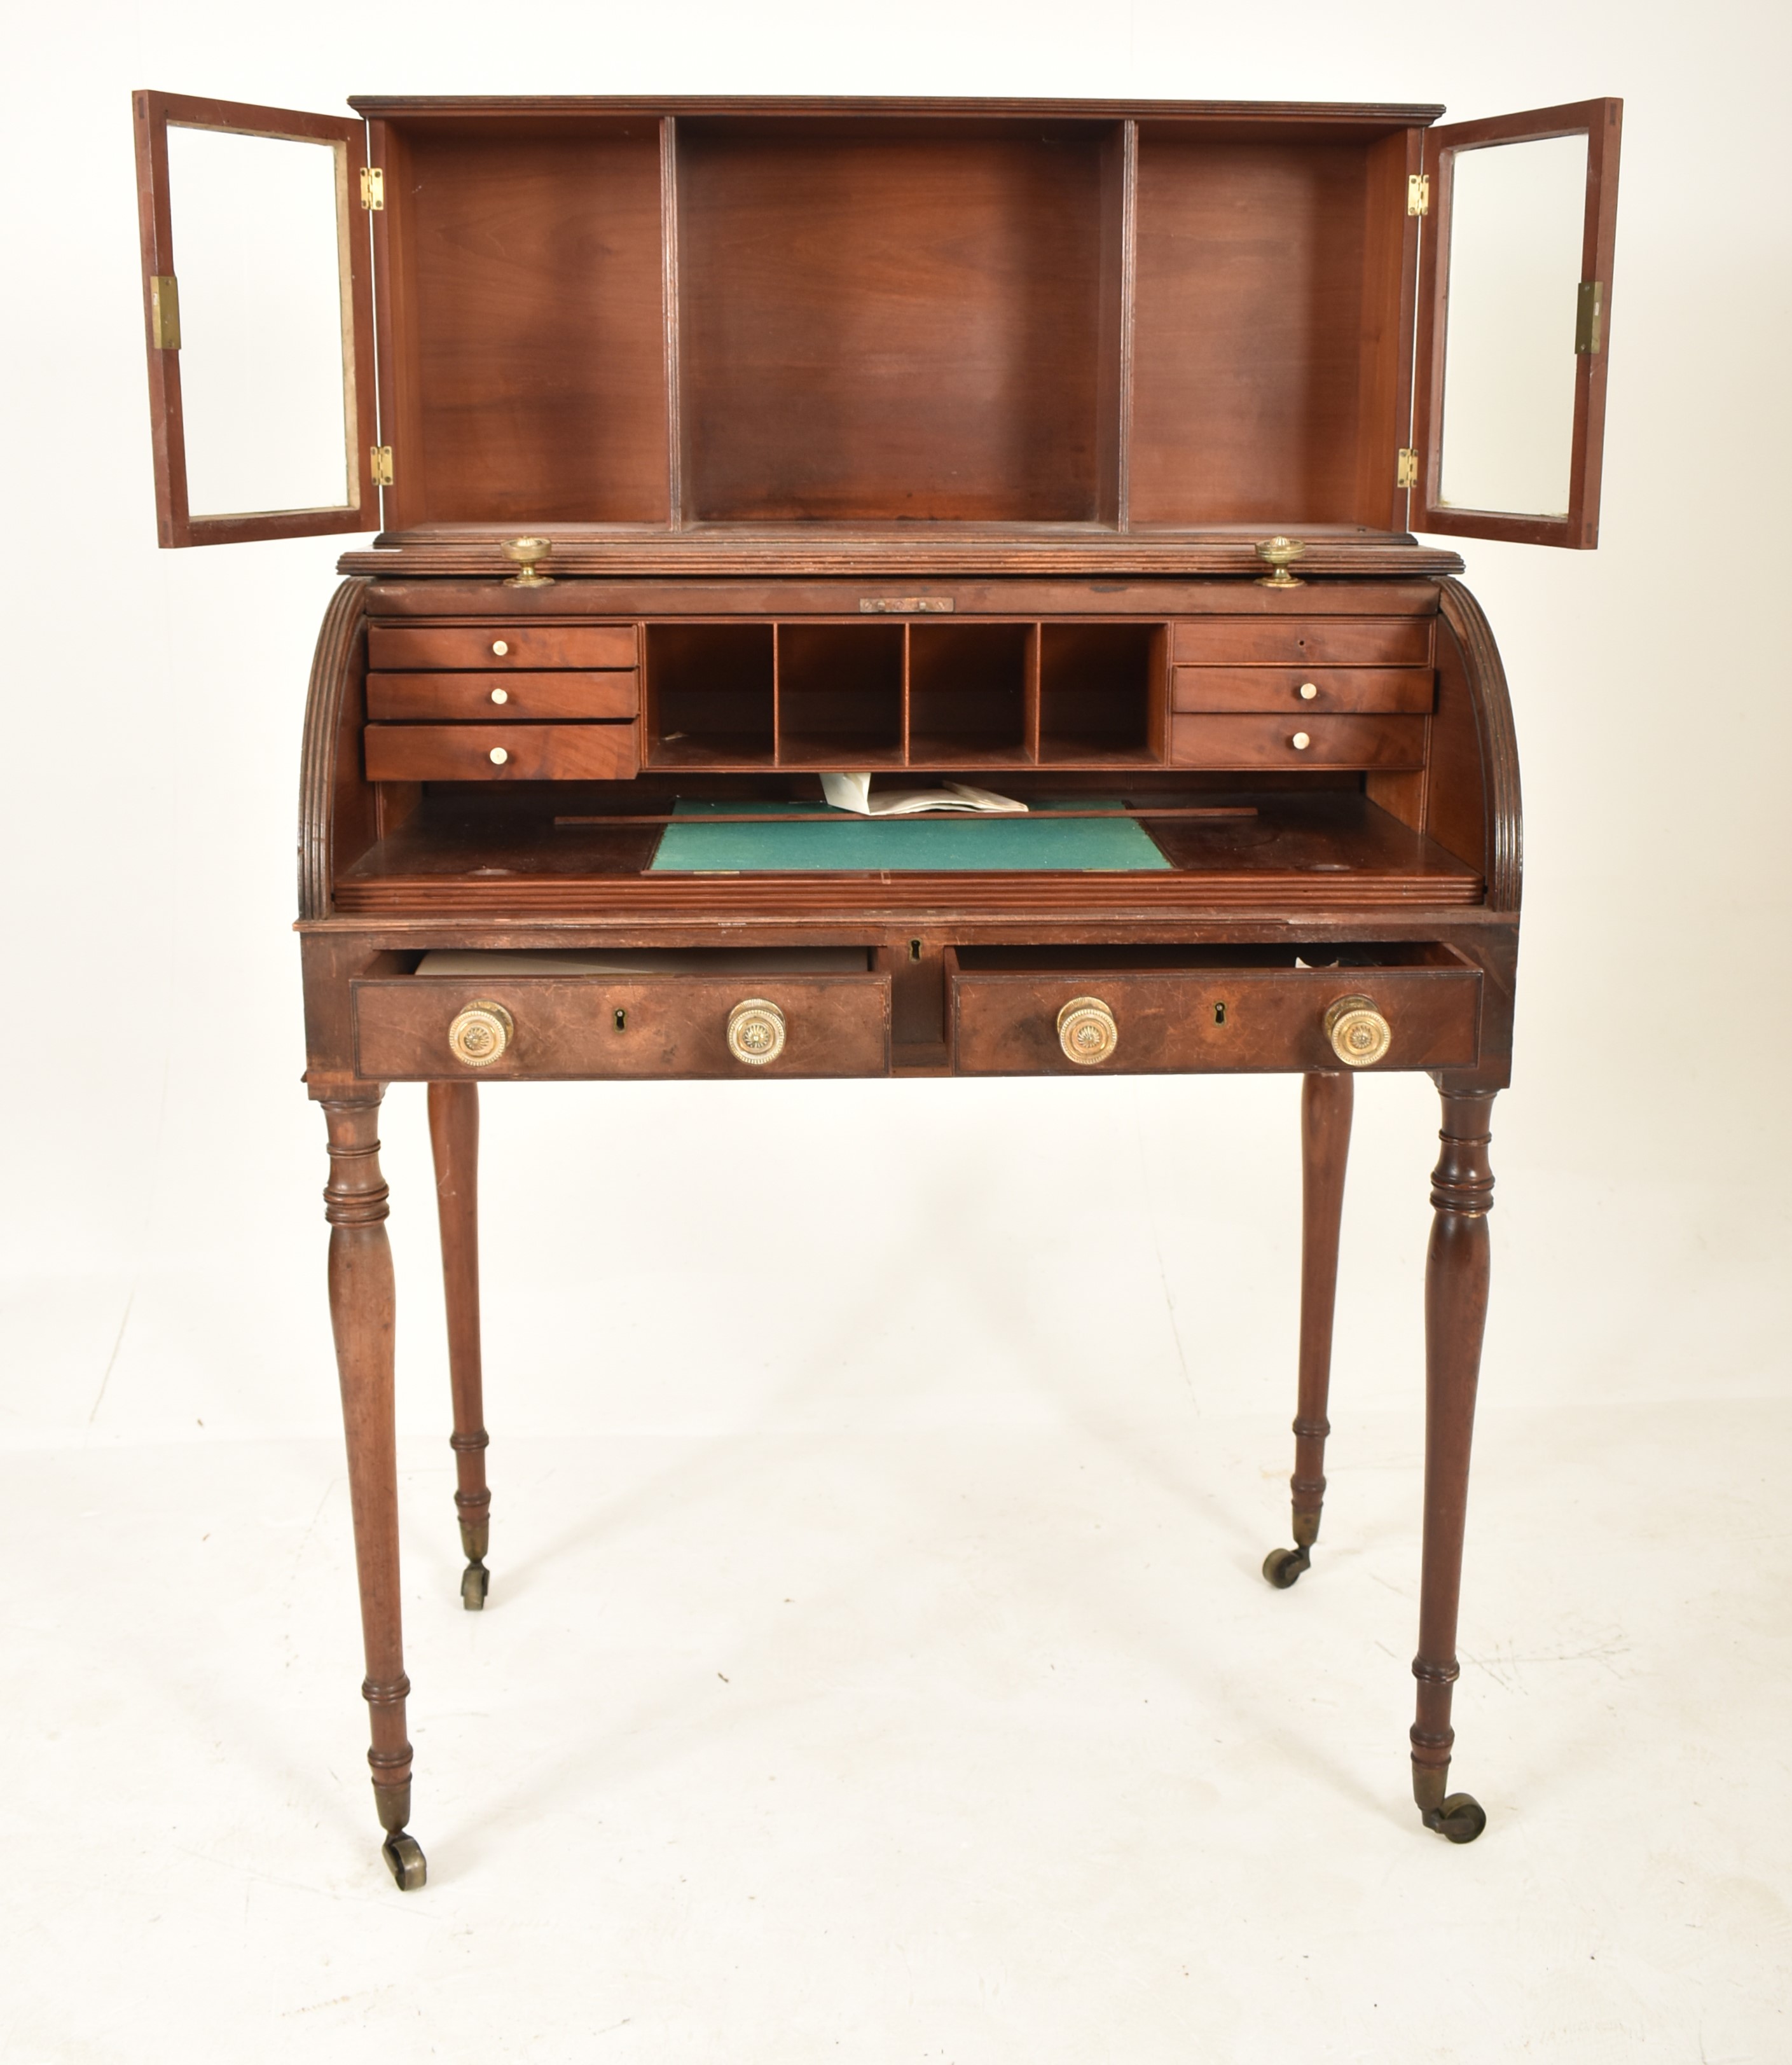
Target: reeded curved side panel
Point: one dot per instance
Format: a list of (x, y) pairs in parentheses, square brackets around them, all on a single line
[(1503, 838), (333, 666)]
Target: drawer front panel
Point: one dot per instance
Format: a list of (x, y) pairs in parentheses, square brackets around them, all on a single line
[(1404, 691), (400, 647), (518, 698), (529, 752), (1217, 1020), (671, 1025), (1269, 742), (1294, 642)]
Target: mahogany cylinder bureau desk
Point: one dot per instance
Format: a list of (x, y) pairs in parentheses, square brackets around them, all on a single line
[(739, 466)]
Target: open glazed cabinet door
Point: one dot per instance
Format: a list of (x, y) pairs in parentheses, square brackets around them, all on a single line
[(1515, 299), (260, 323)]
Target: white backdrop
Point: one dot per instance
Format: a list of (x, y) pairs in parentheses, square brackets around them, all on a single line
[(913, 1254)]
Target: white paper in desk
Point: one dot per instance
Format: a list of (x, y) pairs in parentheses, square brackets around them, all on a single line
[(852, 792)]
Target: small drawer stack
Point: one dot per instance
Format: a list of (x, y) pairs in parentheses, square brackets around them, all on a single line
[(1293, 692), (502, 702)]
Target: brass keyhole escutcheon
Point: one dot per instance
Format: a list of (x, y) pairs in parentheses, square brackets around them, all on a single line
[(1087, 1031), (756, 1032), (620, 1020), (1358, 1033), (480, 1033)]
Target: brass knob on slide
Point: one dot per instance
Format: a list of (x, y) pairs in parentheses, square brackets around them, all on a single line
[(1358, 1033), (1087, 1031), (481, 1031), (523, 553), (756, 1032)]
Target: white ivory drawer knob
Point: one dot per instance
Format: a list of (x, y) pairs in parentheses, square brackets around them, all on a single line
[(1309, 690), (1300, 742), (500, 647), (500, 695), (498, 756)]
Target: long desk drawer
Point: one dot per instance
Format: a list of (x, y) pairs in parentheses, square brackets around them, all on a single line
[(1289, 740), (1015, 1020), (518, 698), (636, 1026), (399, 647), (500, 752), (1302, 641), (1302, 691)]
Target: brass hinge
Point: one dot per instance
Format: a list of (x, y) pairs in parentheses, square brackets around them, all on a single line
[(1589, 312), (164, 312), (1418, 193), (1407, 474), (382, 466), (372, 186)]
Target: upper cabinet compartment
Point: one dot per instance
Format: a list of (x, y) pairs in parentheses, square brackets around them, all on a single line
[(1515, 301), (258, 319)]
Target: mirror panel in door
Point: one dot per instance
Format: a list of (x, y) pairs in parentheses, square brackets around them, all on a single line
[(258, 320), (267, 361), (1514, 310)]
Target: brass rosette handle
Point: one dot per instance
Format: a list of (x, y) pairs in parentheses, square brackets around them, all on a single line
[(1087, 1031), (756, 1032), (1358, 1033), (480, 1033)]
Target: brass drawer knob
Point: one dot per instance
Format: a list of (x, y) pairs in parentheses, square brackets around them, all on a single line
[(756, 1032), (1300, 742), (1358, 1033), (1308, 691), (480, 1033), (1087, 1031), (498, 756)]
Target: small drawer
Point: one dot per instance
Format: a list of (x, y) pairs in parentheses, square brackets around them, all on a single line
[(1375, 742), (1244, 1020), (663, 1025), (396, 647), (1296, 641), (1304, 691), (518, 698), (500, 752)]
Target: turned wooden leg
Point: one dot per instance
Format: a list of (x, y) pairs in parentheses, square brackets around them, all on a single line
[(1455, 1316), (361, 1308), (455, 1136), (1326, 1103)]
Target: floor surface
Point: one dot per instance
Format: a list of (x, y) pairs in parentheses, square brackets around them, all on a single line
[(985, 1745)]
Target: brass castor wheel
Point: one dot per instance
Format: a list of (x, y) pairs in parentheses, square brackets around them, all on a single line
[(1282, 1566), (405, 1859), (1459, 1820), (475, 1582)]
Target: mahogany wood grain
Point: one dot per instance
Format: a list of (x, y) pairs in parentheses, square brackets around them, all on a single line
[(401, 648), (1408, 691), (671, 1025), (517, 698), (454, 1143), (337, 819), (1210, 1020), (896, 320), (532, 269), (1294, 642), (1456, 1277), (1326, 1099), (1270, 742), (532, 752), (362, 1308)]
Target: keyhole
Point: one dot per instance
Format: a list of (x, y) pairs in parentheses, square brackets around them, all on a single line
[(1219, 1014), (621, 1020), (914, 950)]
